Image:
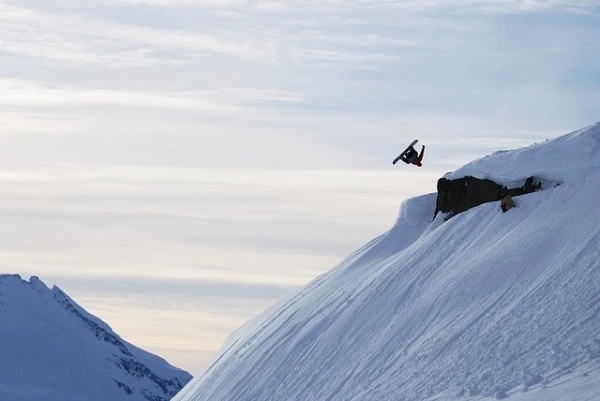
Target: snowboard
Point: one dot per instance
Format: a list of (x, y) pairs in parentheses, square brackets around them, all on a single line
[(405, 150)]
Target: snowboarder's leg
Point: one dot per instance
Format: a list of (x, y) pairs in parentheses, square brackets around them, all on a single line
[(418, 161)]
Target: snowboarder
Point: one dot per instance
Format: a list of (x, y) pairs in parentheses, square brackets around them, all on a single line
[(412, 157)]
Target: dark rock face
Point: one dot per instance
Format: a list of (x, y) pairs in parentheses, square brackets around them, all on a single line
[(457, 196)]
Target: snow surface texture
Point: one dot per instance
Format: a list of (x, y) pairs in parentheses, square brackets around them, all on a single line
[(51, 349), (485, 305)]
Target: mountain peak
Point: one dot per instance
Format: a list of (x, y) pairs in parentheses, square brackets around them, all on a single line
[(54, 350)]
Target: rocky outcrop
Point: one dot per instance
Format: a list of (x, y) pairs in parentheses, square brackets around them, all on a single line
[(459, 195)]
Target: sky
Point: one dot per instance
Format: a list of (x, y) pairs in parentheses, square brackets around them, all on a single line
[(178, 166)]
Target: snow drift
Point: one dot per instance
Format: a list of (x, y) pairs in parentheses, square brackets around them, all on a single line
[(486, 304), (51, 349)]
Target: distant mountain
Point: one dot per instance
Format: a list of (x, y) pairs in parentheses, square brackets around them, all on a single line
[(473, 304), (51, 349)]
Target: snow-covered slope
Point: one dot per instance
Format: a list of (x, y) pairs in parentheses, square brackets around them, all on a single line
[(561, 159), (53, 350), (486, 304)]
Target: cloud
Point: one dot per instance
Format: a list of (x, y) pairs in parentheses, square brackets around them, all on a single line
[(220, 226), (81, 39), (174, 287), (180, 3), (88, 40), (533, 6), (36, 94), (405, 5)]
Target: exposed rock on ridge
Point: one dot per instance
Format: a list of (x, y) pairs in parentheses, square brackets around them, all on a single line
[(461, 194)]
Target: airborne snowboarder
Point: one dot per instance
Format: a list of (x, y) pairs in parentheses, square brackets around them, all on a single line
[(411, 156)]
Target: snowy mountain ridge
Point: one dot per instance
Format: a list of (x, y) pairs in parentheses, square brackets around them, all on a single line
[(484, 305), (561, 159), (52, 349)]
